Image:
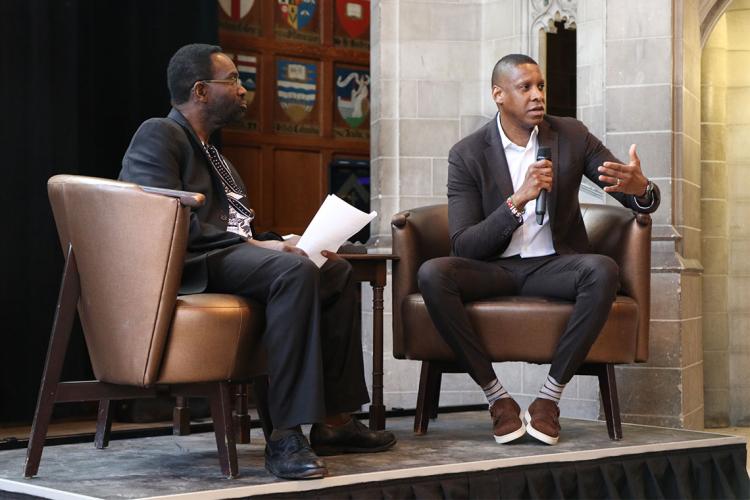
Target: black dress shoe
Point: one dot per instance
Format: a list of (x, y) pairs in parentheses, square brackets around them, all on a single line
[(292, 458), (352, 437)]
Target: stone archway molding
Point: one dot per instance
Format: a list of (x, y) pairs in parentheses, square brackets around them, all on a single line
[(543, 15), (710, 11)]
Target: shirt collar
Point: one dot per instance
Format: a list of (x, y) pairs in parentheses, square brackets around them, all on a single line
[(508, 143)]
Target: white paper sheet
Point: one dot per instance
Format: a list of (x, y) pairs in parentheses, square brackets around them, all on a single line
[(335, 222)]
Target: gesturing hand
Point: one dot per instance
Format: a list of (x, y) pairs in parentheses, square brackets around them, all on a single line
[(628, 179)]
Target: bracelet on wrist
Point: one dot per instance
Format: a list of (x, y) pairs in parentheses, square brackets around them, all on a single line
[(518, 214)]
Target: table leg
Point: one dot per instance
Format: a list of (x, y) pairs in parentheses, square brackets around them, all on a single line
[(377, 409), (241, 417), (181, 417)]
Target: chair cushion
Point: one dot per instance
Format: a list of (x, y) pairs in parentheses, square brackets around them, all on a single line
[(213, 337), (520, 329)]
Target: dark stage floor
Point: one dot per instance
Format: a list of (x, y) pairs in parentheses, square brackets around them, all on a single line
[(187, 466)]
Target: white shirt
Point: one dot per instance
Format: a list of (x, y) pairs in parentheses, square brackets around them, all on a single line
[(530, 239)]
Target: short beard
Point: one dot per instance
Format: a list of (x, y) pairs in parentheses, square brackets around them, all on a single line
[(222, 116)]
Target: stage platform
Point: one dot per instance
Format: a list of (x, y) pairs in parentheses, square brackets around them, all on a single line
[(456, 459)]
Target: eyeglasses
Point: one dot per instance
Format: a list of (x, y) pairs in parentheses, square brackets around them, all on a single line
[(235, 80)]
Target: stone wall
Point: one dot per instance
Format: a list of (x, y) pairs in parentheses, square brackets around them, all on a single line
[(715, 229), (424, 63), (590, 75), (726, 241), (738, 163)]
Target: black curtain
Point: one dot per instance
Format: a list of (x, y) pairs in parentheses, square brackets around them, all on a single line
[(711, 473), (77, 77)]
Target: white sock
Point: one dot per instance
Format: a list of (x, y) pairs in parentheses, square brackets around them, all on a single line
[(551, 389), (494, 391)]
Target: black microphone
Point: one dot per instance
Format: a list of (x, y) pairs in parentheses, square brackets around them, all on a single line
[(541, 200)]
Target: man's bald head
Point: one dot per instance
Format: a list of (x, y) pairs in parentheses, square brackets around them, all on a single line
[(503, 66)]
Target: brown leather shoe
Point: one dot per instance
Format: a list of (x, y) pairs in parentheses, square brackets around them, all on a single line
[(543, 420), (507, 425)]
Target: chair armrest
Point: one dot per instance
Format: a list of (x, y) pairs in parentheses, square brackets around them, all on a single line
[(626, 237), (187, 198), (418, 234)]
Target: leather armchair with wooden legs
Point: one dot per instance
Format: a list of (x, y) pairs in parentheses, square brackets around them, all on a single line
[(523, 328), (125, 248)]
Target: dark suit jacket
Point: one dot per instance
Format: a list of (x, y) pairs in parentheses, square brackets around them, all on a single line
[(481, 224), (166, 153)]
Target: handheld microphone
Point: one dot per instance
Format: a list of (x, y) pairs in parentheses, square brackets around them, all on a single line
[(541, 200)]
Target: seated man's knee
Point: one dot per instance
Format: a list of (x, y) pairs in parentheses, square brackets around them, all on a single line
[(432, 274), (604, 271), (338, 266), (299, 267)]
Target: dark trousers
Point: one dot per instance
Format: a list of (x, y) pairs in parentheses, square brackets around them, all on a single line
[(589, 280), (315, 363)]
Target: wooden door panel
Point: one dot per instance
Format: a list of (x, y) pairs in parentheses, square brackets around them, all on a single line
[(247, 161), (298, 188)]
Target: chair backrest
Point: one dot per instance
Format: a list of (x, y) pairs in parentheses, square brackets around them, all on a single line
[(129, 246), (422, 233)]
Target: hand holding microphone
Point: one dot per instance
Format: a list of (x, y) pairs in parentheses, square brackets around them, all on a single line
[(541, 200), (536, 184)]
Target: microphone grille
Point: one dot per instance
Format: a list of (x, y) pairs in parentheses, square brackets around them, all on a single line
[(544, 153)]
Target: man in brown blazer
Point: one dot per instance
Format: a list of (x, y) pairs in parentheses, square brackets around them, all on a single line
[(498, 247)]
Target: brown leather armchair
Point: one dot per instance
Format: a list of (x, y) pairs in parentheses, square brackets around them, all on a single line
[(523, 328), (125, 247)]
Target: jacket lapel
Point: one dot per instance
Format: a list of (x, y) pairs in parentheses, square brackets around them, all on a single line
[(180, 119), (176, 116), (548, 137), (494, 154)]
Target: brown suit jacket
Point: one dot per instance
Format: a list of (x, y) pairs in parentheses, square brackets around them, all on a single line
[(481, 224)]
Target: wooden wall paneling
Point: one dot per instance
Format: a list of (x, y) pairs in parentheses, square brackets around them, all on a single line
[(267, 182), (327, 156), (296, 202), (287, 174), (325, 97), (247, 161), (235, 136), (269, 91), (326, 24)]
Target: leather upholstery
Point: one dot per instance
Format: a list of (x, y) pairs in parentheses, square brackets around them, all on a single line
[(213, 337), (524, 328), (130, 249)]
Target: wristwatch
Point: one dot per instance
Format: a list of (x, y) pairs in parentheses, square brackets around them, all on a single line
[(648, 193)]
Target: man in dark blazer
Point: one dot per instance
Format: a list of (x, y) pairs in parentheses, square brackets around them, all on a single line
[(499, 248), (315, 363)]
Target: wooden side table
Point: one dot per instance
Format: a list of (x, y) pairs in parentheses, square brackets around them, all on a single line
[(373, 268)]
